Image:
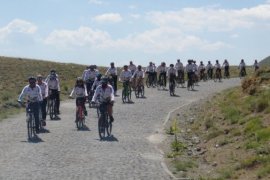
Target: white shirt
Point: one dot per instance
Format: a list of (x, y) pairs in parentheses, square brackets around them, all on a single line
[(189, 68), (132, 68), (138, 73), (103, 94), (79, 92), (125, 75), (209, 66), (111, 71), (256, 64), (217, 66), (53, 83), (242, 65), (161, 69), (96, 84), (195, 67), (151, 68), (171, 70), (225, 64), (89, 75), (201, 67), (44, 89), (179, 66), (31, 94)]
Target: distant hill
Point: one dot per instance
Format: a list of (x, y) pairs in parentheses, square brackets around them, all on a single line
[(15, 71), (265, 62)]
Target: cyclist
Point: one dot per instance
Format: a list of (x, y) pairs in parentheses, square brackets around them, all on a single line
[(125, 74), (80, 92), (242, 67), (171, 73), (44, 91), (88, 77), (201, 69), (132, 67), (151, 71), (180, 69), (256, 65), (97, 82), (218, 68), (54, 89), (196, 72), (139, 75), (162, 72), (52, 73), (105, 94), (209, 69), (226, 68), (112, 71), (32, 93)]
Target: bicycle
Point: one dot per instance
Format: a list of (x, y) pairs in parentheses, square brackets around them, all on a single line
[(90, 92), (180, 80), (161, 82), (242, 73), (210, 74), (104, 125), (126, 92), (80, 116), (139, 90), (191, 81), (217, 76), (150, 80), (52, 106), (203, 75), (172, 86), (226, 73)]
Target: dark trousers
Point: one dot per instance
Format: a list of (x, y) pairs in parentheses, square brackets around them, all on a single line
[(164, 77), (43, 109), (81, 101), (34, 106), (55, 94), (114, 77)]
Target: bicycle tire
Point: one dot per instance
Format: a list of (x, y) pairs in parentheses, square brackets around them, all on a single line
[(29, 127), (101, 127), (80, 118), (147, 82), (52, 109), (142, 91)]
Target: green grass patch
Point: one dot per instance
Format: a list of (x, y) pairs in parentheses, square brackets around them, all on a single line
[(254, 124), (184, 165), (263, 135)]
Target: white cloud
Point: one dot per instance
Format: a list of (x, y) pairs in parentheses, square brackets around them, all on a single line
[(17, 26), (211, 19), (97, 2), (109, 17), (84, 36), (135, 16)]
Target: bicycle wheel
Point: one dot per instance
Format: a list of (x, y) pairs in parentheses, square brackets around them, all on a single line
[(29, 126), (98, 113), (137, 91), (129, 93), (147, 82), (52, 109), (124, 95), (101, 127), (80, 118), (108, 126), (215, 77), (142, 91)]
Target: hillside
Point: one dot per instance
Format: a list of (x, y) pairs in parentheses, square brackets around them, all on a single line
[(14, 74), (226, 136), (265, 62)]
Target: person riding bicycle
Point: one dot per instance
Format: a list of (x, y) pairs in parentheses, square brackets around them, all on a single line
[(190, 69), (218, 68), (105, 95), (125, 74), (151, 71), (88, 77), (44, 91), (180, 69), (32, 93), (171, 73), (226, 68), (97, 82), (209, 69), (201, 69), (242, 67), (54, 89), (80, 92), (256, 65), (162, 73), (132, 67), (112, 71), (196, 72), (139, 76)]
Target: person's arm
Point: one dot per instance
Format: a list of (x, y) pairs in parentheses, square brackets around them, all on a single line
[(85, 90), (72, 92), (143, 74), (58, 84), (40, 98), (46, 90), (94, 98), (21, 96), (112, 93)]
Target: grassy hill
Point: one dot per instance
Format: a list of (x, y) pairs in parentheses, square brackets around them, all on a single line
[(229, 135), (14, 74), (265, 62)]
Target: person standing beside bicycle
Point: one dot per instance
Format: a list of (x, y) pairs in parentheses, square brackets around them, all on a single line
[(180, 69), (32, 93), (54, 90), (80, 92), (242, 67), (105, 95), (44, 91), (112, 71), (162, 69)]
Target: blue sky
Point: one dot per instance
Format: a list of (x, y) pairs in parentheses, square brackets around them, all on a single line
[(102, 31)]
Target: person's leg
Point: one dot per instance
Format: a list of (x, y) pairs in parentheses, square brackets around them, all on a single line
[(35, 107), (110, 112)]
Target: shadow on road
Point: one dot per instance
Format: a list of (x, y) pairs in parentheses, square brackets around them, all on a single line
[(44, 131), (84, 128), (110, 139), (35, 139)]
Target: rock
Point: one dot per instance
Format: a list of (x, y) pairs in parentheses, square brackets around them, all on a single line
[(217, 145), (198, 149), (195, 140), (190, 153), (226, 131), (214, 164)]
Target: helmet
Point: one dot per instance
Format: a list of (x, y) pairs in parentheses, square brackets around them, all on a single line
[(53, 70), (112, 63), (178, 60), (209, 62), (163, 63), (104, 80), (125, 66), (171, 65)]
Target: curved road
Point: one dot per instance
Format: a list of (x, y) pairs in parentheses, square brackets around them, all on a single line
[(65, 153)]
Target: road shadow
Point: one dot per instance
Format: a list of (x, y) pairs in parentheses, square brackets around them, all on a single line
[(35, 139), (175, 95), (84, 128), (129, 102), (110, 139), (44, 130)]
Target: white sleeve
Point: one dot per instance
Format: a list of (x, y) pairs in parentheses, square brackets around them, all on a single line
[(39, 94), (46, 90), (72, 92), (22, 94), (95, 94)]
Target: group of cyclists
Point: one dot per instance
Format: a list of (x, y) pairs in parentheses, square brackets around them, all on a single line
[(94, 87)]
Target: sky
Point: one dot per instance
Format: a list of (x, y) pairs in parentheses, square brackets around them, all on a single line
[(103, 31)]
